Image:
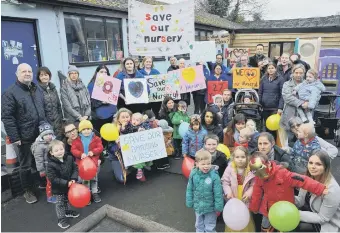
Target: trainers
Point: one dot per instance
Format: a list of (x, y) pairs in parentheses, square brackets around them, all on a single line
[(89, 203), (165, 166), (52, 200), (139, 174), (63, 223), (72, 214), (96, 198), (99, 190), (30, 197)]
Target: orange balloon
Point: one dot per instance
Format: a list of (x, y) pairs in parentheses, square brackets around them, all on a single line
[(79, 195), (187, 165)]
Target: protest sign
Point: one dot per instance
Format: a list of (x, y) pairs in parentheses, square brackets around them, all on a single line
[(143, 146), (222, 37), (136, 91), (234, 54), (202, 51), (106, 89), (160, 30), (246, 78), (162, 85), (216, 88)]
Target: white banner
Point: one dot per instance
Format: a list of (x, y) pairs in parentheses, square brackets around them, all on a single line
[(136, 91), (202, 51), (161, 30), (142, 146)]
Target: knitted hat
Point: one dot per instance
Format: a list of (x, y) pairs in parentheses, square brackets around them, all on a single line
[(165, 126), (72, 68), (85, 124), (45, 128)]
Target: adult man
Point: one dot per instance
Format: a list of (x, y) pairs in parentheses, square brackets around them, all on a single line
[(173, 64), (219, 60), (254, 60), (228, 108), (22, 108), (296, 59), (284, 68)]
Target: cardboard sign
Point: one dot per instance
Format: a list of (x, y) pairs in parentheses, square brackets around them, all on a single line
[(162, 85), (202, 51), (160, 30), (220, 38), (106, 89), (216, 88), (142, 146), (190, 78), (136, 91), (246, 78)]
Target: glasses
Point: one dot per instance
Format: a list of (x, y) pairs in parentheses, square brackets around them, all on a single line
[(71, 131)]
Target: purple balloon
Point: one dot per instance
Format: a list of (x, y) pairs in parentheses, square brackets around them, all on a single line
[(236, 214)]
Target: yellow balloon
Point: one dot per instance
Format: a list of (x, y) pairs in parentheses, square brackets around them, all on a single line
[(109, 132), (224, 149), (273, 122), (189, 75)]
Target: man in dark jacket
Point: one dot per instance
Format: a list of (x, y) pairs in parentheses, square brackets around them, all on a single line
[(254, 60), (296, 59), (228, 107), (22, 108), (173, 64), (284, 69)]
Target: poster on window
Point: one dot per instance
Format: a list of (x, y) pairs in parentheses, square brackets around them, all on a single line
[(160, 30), (190, 78), (136, 91), (202, 51), (162, 85), (106, 89)]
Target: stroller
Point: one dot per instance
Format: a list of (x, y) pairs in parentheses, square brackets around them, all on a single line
[(251, 110)]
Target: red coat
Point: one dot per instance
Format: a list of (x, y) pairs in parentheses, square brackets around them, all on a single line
[(280, 187), (241, 144), (95, 146)]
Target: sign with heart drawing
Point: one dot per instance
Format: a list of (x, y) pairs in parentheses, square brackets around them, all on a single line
[(136, 91), (246, 78)]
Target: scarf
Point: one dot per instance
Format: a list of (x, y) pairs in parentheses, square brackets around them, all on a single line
[(78, 94), (86, 142), (210, 128), (236, 136)]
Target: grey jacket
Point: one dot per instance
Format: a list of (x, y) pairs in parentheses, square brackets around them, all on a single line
[(326, 208), (331, 150), (291, 103), (40, 151)]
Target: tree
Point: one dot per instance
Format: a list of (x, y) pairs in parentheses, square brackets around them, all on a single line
[(257, 16), (216, 7)]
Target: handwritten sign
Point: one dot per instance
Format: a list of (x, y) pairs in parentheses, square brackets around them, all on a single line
[(106, 89), (220, 38), (136, 91), (235, 54), (246, 78), (216, 88), (142, 146), (160, 30), (163, 85), (202, 51)]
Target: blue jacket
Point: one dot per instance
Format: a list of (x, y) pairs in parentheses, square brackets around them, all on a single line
[(204, 191), (223, 77), (193, 141), (122, 75), (152, 72), (211, 65), (270, 93), (310, 92), (99, 109)]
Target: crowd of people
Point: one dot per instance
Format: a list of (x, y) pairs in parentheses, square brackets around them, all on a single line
[(55, 133)]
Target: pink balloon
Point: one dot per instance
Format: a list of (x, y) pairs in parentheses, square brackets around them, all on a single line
[(236, 214)]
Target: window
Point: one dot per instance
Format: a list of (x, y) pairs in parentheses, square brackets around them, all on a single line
[(277, 48), (202, 35), (93, 39)]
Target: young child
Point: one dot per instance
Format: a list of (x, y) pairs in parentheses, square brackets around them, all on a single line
[(238, 181), (40, 151), (137, 124), (232, 132), (150, 118), (309, 91), (252, 145), (176, 119), (193, 140), (168, 107), (164, 163), (247, 109), (88, 144), (61, 172), (274, 183), (244, 137), (304, 147), (204, 193)]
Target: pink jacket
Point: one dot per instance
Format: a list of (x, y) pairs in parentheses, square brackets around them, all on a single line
[(230, 184)]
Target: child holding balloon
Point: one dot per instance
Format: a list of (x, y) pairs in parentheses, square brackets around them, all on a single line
[(62, 173), (238, 181)]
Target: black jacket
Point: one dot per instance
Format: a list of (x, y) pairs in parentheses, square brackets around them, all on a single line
[(22, 110), (282, 156), (305, 64), (227, 111), (286, 75), (270, 93), (255, 59), (171, 68), (60, 173), (221, 161)]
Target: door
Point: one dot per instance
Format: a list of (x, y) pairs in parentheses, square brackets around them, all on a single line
[(19, 45)]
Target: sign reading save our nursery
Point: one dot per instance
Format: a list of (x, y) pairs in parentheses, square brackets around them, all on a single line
[(160, 30), (143, 146), (162, 85)]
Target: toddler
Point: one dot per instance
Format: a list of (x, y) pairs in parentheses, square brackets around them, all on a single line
[(252, 144), (164, 163), (204, 189), (232, 132), (244, 137)]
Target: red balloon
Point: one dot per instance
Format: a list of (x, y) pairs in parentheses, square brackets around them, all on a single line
[(79, 195), (87, 169), (187, 165)]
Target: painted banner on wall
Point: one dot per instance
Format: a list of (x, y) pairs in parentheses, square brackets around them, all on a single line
[(216, 88), (106, 89), (163, 85), (246, 78), (136, 91), (160, 30)]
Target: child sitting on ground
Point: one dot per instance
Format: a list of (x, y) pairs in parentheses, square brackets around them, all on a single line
[(304, 147), (61, 172), (164, 163), (40, 151), (204, 189), (193, 139), (88, 145)]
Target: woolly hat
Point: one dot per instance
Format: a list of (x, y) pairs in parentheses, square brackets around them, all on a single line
[(165, 126), (45, 128), (85, 124), (72, 68)]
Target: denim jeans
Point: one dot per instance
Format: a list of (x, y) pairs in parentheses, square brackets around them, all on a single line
[(206, 222)]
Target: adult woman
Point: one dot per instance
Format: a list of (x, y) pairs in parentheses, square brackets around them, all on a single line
[(168, 106), (129, 71), (217, 75), (320, 213), (137, 63), (71, 133), (209, 121), (52, 105), (75, 97), (199, 95), (270, 93)]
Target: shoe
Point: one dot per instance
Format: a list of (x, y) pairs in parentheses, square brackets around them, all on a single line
[(52, 200), (177, 157), (72, 214), (63, 223), (139, 174), (165, 166), (143, 179), (30, 197), (96, 198), (89, 203), (99, 190)]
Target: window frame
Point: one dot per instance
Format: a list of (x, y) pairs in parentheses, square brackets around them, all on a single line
[(281, 46)]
